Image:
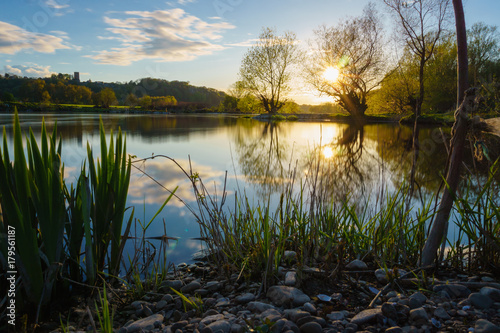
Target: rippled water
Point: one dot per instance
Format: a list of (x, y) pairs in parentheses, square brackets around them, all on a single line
[(260, 159)]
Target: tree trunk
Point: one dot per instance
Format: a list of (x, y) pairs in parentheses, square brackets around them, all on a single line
[(459, 131)]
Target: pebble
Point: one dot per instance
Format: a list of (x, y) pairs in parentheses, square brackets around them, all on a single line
[(453, 290), (366, 316), (311, 327), (291, 279), (356, 265), (287, 296), (480, 301), (492, 293), (419, 316), (145, 324), (190, 287), (245, 298), (485, 326), (221, 326), (441, 313)]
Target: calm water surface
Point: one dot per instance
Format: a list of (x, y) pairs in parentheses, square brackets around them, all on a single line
[(259, 158)]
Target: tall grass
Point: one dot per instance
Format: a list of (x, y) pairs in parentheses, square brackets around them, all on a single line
[(51, 220)]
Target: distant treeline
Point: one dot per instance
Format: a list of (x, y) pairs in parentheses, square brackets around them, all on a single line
[(146, 92)]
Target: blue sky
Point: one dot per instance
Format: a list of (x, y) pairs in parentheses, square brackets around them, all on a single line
[(200, 41)]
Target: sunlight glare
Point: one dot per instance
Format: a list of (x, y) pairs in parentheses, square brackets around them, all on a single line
[(331, 74), (327, 152)]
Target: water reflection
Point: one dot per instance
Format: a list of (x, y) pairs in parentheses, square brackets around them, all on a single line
[(337, 160)]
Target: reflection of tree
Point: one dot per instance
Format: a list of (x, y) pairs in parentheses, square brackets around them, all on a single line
[(262, 157), (345, 173)]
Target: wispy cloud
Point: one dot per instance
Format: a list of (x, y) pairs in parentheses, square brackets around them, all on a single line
[(162, 35), (61, 7), (183, 2), (30, 70), (247, 43), (14, 39)]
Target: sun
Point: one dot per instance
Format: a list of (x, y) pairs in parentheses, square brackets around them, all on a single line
[(327, 152), (331, 74)]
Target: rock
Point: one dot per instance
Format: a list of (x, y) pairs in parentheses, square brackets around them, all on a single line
[(290, 256), (485, 326), (311, 327), (383, 276), (259, 307), (441, 313), (145, 324), (175, 284), (492, 293), (287, 296), (271, 315), (223, 302), (245, 298), (366, 316), (417, 300), (178, 325), (419, 316), (389, 311), (480, 301), (394, 329), (296, 314), (220, 326), (309, 308), (337, 315), (356, 265), (211, 319), (453, 290), (278, 326), (214, 286), (190, 287), (291, 279)]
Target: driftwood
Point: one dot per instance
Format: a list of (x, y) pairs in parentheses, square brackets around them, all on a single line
[(491, 126)]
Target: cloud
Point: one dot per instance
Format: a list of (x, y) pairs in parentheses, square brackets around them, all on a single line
[(247, 43), (162, 35), (14, 39), (183, 2), (31, 70), (59, 6)]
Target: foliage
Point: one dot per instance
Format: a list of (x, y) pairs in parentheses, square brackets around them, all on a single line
[(266, 69), (108, 185), (51, 220), (106, 318), (353, 49)]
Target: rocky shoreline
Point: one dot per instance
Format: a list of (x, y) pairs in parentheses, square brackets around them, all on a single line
[(308, 300)]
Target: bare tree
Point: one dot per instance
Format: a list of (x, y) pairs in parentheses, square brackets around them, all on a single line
[(347, 61), (421, 23), (266, 68)]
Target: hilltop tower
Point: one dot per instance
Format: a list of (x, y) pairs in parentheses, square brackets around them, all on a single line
[(76, 77)]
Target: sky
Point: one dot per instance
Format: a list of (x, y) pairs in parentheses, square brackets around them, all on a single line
[(199, 41)]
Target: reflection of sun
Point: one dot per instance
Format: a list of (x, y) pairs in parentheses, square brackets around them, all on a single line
[(327, 152), (331, 74)]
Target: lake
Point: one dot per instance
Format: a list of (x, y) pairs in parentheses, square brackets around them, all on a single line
[(362, 164)]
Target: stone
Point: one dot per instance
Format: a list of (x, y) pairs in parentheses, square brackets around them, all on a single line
[(480, 301), (417, 299), (356, 265), (290, 256), (178, 325), (394, 329), (291, 279), (485, 326), (309, 308), (245, 298), (311, 327), (271, 315), (366, 316), (419, 316), (296, 314), (389, 311), (145, 324), (214, 286), (278, 326), (210, 319), (259, 306), (306, 319), (161, 305), (441, 313), (223, 302), (220, 326), (337, 315), (190, 287), (453, 290), (287, 296), (492, 293), (175, 284)]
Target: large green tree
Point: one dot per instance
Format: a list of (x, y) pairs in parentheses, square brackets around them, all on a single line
[(267, 67), (347, 60)]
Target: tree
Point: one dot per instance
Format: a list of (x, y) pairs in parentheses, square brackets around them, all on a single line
[(421, 24), (483, 47), (107, 97), (347, 60), (266, 68)]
